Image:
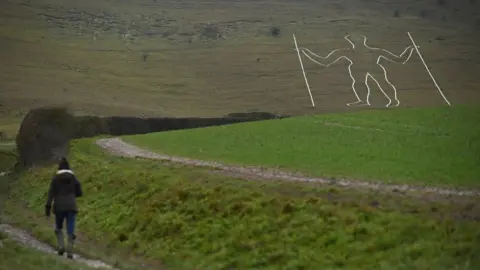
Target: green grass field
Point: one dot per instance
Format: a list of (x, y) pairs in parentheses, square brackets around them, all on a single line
[(437, 146), (14, 256), (192, 219)]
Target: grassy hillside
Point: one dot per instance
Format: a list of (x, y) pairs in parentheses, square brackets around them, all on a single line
[(209, 58), (193, 219), (428, 146), (14, 256), (7, 157), (9, 126)]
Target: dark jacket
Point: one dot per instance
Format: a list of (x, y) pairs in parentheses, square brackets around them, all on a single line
[(64, 189)]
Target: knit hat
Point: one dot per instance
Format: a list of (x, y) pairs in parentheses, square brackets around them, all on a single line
[(63, 165)]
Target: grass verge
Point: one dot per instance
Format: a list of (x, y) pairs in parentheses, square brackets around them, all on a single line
[(193, 219), (14, 211), (437, 146), (15, 256)]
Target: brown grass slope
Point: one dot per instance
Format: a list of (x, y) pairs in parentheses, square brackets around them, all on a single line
[(209, 58)]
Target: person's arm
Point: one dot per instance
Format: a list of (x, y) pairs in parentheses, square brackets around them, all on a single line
[(50, 197), (78, 188)]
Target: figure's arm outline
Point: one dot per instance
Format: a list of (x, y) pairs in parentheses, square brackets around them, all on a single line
[(400, 56), (332, 52), (302, 49), (387, 51), (325, 65)]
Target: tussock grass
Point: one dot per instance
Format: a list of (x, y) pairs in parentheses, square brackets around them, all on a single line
[(436, 146), (191, 219)]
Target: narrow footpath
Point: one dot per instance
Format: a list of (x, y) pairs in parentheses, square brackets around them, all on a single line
[(26, 239), (117, 146)]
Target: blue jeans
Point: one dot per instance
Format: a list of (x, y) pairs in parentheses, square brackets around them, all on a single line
[(69, 217)]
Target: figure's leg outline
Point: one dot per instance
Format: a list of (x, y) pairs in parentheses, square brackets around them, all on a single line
[(353, 85), (368, 87), (385, 76), (393, 86), (381, 89)]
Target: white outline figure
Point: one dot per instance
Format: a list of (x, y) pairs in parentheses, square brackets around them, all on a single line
[(368, 75)]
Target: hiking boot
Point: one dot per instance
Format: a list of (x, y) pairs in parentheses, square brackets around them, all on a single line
[(70, 241), (60, 242)]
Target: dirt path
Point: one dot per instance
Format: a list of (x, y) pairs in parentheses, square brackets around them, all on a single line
[(118, 147), (26, 239)]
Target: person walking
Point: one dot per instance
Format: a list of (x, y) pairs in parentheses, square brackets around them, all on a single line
[(63, 191)]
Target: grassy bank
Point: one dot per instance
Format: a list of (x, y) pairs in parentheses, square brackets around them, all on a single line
[(430, 146), (9, 126), (191, 219)]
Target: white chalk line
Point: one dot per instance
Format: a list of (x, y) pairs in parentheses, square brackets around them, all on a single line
[(411, 52), (428, 70), (349, 71), (385, 74), (303, 70), (368, 74)]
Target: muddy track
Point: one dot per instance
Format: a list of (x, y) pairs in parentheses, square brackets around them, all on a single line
[(117, 146), (26, 239)]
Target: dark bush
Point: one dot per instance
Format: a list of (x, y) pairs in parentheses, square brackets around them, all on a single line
[(44, 135), (90, 126), (127, 125), (210, 32), (45, 132), (396, 13), (255, 115), (275, 31)]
